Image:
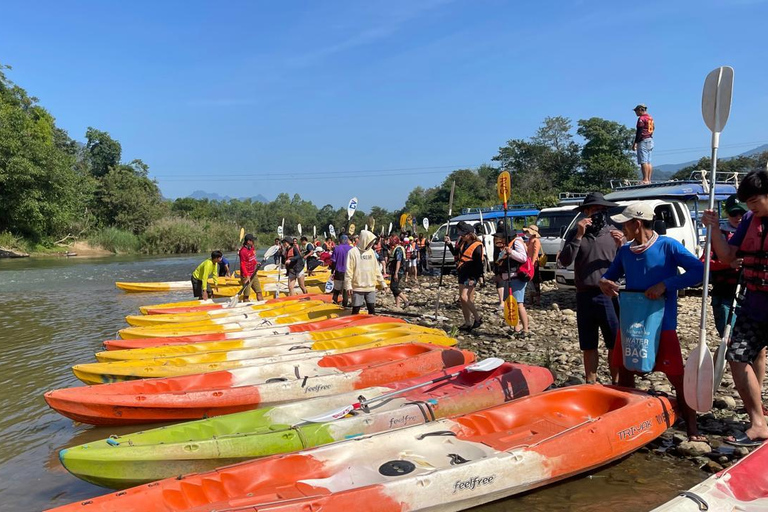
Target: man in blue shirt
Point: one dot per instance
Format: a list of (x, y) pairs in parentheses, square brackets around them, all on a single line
[(224, 267), (650, 262)]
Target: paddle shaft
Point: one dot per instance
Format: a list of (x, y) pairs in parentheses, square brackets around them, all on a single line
[(445, 248), (708, 249), (385, 396)]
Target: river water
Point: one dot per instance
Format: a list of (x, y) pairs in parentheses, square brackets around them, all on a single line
[(56, 312)]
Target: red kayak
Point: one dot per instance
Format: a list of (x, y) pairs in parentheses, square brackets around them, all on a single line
[(320, 325), (212, 394)]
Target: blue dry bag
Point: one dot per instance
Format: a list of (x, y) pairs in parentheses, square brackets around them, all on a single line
[(640, 330)]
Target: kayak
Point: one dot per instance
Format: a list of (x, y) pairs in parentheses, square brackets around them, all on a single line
[(212, 394), (321, 312), (743, 486), (326, 326), (168, 286), (275, 362), (237, 313), (448, 464), (123, 461), (212, 305), (231, 291), (339, 338)]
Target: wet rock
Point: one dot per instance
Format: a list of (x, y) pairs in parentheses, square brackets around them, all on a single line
[(712, 467), (740, 451), (693, 448)]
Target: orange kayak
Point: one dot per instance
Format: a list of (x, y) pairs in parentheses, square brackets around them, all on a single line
[(318, 326), (212, 306), (449, 464), (211, 394)]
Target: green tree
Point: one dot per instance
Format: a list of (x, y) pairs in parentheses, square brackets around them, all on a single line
[(129, 200), (606, 155), (103, 151)]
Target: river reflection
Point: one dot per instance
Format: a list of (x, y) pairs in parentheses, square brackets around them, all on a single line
[(56, 312)]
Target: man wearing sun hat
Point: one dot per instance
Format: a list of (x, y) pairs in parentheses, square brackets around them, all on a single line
[(650, 264), (644, 141)]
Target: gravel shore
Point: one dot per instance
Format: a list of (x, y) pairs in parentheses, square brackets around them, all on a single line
[(554, 344)]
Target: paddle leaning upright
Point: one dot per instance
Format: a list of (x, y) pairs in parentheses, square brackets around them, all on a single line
[(699, 369), (445, 249), (511, 313)]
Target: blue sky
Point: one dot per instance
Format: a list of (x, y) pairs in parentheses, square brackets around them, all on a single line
[(332, 99)]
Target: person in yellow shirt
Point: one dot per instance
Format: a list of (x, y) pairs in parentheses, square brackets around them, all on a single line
[(208, 268)]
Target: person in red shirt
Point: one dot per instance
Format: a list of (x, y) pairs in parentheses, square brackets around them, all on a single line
[(644, 141), (249, 267)]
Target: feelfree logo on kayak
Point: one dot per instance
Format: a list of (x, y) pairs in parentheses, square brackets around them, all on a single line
[(317, 388), (469, 485), (402, 421)]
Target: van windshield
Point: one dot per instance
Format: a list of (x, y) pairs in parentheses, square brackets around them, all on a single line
[(551, 223), (440, 233)]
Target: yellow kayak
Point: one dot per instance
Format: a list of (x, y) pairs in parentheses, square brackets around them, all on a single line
[(239, 313), (212, 326), (307, 363), (269, 289), (318, 340)]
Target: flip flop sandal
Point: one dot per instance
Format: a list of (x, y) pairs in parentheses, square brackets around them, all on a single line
[(741, 439)]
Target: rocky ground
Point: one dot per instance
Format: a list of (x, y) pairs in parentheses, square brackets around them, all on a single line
[(554, 344)]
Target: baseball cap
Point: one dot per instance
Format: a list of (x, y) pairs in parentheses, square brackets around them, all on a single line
[(640, 106), (732, 204), (639, 210), (248, 237), (464, 228), (406, 239)]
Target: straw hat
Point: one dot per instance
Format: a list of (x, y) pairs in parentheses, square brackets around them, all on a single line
[(532, 230)]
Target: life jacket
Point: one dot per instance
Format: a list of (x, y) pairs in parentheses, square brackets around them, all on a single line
[(291, 252), (754, 249), (465, 255), (422, 243)]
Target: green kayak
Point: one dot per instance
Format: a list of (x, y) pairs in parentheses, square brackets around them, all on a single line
[(129, 460)]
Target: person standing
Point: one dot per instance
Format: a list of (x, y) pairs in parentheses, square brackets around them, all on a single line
[(224, 270), (397, 270), (294, 265), (508, 255), (309, 255), (339, 268), (205, 270), (650, 265), (468, 253), (644, 141), (363, 274), (591, 247), (249, 267), (278, 257), (750, 334), (533, 246), (423, 253)]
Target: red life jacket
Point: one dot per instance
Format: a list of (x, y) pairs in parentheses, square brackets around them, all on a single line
[(466, 255), (754, 249)]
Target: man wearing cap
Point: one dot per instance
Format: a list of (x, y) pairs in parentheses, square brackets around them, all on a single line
[(644, 141), (468, 254), (650, 264), (591, 247), (249, 267), (339, 268)]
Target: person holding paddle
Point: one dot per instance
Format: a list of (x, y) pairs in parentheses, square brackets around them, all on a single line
[(750, 334), (650, 264), (507, 256), (249, 267), (207, 269)]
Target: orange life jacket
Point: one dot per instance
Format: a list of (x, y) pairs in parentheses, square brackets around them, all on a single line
[(755, 252), (466, 255)]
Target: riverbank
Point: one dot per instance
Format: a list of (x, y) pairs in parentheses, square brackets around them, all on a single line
[(553, 343)]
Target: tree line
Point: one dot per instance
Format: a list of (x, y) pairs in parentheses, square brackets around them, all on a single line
[(54, 189)]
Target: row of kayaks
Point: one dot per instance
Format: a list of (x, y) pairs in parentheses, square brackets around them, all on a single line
[(330, 412)]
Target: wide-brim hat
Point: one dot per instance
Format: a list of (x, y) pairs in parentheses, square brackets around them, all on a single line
[(533, 229), (596, 199)]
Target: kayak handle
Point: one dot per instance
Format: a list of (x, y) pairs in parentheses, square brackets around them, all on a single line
[(437, 433)]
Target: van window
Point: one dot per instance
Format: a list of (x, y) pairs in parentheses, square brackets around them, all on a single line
[(664, 212), (550, 223), (440, 233)]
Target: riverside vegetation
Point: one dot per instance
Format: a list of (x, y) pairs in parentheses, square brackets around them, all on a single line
[(55, 190)]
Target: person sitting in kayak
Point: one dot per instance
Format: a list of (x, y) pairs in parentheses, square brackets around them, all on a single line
[(249, 267), (207, 269), (650, 262)]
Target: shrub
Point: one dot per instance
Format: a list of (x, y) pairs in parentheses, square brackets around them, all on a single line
[(11, 241), (115, 240), (177, 236)]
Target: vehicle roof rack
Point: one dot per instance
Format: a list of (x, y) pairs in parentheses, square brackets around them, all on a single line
[(498, 208), (569, 198)]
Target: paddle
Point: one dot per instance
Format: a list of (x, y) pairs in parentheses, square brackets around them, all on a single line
[(298, 228), (280, 230), (425, 223), (486, 365), (445, 248), (332, 230), (389, 232), (239, 243), (698, 379), (504, 189), (719, 370)]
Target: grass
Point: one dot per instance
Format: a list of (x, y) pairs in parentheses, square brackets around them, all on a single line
[(11, 241), (115, 240)]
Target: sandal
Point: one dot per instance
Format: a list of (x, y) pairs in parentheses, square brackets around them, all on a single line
[(465, 328), (741, 439)]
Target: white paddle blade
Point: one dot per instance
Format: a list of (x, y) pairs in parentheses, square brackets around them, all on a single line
[(233, 301), (486, 365), (698, 379), (270, 252), (716, 98), (330, 415), (298, 228)]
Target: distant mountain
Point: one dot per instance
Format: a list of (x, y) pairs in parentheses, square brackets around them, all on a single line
[(213, 196), (662, 172)]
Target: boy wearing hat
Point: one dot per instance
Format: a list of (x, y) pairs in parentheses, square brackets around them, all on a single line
[(650, 264), (249, 267), (644, 141), (750, 334), (591, 247)]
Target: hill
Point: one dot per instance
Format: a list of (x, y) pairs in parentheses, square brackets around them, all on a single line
[(665, 171), (212, 196)]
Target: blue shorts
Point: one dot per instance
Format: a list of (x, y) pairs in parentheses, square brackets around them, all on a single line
[(644, 149), (518, 289)]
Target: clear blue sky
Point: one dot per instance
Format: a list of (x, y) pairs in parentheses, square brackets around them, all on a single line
[(262, 97)]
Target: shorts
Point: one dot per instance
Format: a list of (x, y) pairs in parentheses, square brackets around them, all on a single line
[(748, 339), (338, 281), (596, 313), (254, 285), (394, 285), (360, 299), (517, 286), (669, 358), (197, 289), (470, 282), (413, 263), (644, 149)]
